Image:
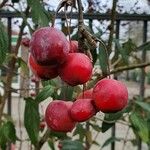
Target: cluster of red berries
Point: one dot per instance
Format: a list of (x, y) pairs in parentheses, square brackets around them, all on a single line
[(51, 56)]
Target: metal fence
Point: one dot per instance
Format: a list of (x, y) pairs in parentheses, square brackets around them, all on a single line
[(144, 18)]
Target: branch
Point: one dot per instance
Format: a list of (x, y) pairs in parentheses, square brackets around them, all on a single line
[(3, 3), (80, 12), (111, 26)]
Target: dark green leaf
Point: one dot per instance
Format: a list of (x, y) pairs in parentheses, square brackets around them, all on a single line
[(46, 92), (15, 1), (7, 134), (103, 59), (51, 144), (32, 119), (66, 92), (143, 105), (140, 126), (72, 145), (39, 15), (59, 135), (109, 141), (144, 46), (3, 43), (96, 127), (112, 119)]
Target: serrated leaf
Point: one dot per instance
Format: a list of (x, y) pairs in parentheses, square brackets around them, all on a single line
[(72, 145), (32, 119), (7, 134), (143, 105), (140, 126), (103, 59), (46, 92), (3, 43), (23, 65), (109, 141), (39, 15)]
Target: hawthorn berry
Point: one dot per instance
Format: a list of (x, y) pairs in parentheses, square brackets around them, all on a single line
[(43, 72), (49, 46), (82, 110), (77, 69), (110, 95), (57, 116)]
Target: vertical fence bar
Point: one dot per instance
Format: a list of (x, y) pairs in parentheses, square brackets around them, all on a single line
[(9, 28), (113, 131), (142, 81)]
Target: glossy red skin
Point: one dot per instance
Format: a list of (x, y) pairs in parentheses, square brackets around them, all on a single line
[(43, 72), (49, 46), (58, 117), (33, 94), (76, 70), (25, 42), (73, 46), (82, 110), (110, 95), (88, 94)]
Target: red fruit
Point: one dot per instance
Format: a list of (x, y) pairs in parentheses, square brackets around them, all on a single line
[(58, 117), (88, 94), (43, 72), (49, 46), (42, 124), (33, 94), (110, 95), (82, 110), (73, 46), (77, 69), (25, 42)]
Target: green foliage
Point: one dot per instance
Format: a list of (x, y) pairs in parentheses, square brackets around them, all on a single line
[(46, 92), (140, 126), (109, 141), (72, 145), (39, 15), (145, 106), (32, 120), (3, 43), (7, 134)]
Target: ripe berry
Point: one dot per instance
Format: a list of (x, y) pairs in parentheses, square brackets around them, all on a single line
[(25, 42), (58, 117), (73, 46), (42, 125), (77, 69), (33, 94), (88, 94), (110, 95), (82, 110), (43, 72), (49, 46)]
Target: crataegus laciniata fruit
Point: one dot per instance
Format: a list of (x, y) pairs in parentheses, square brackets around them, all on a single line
[(82, 110), (73, 46), (43, 72), (110, 95), (58, 117), (77, 69), (86, 94), (49, 46)]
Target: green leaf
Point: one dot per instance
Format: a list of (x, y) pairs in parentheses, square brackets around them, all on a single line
[(112, 119), (51, 144), (39, 15), (143, 105), (96, 127), (122, 51), (46, 92), (23, 65), (66, 92), (7, 134), (144, 46), (3, 43), (72, 145), (140, 126), (32, 119), (15, 1), (109, 141), (103, 58)]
